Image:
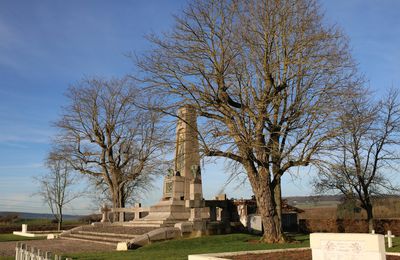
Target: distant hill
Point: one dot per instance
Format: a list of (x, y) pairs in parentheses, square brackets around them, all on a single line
[(28, 215), (334, 206), (328, 200), (307, 201)]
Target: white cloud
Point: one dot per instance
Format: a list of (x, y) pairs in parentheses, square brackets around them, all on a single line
[(21, 132), (10, 139), (22, 166)]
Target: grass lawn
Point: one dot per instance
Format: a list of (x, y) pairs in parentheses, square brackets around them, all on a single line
[(180, 249), (11, 237), (396, 245)]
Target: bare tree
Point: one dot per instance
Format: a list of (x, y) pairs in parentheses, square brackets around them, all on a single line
[(105, 135), (265, 75), (135, 190), (55, 187), (366, 152)]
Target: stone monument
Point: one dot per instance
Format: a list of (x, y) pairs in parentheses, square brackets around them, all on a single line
[(187, 146), (182, 198), (105, 210)]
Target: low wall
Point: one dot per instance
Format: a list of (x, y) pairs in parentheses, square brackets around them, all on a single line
[(348, 226)]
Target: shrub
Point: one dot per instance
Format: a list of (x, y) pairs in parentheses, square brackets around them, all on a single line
[(9, 218), (91, 218)]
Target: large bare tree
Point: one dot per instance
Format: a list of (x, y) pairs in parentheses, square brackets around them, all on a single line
[(366, 152), (56, 186), (104, 134), (265, 75)]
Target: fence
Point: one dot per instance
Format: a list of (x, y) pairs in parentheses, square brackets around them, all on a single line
[(25, 252)]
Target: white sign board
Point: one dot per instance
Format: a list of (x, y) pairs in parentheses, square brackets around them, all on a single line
[(347, 246)]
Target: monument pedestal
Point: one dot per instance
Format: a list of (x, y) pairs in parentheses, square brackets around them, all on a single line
[(171, 209), (165, 213)]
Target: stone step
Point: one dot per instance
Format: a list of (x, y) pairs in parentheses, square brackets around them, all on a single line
[(155, 221), (98, 238), (104, 234), (119, 229), (92, 241), (152, 223), (139, 224)]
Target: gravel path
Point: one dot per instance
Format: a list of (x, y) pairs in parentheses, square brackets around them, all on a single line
[(62, 246), (56, 246)]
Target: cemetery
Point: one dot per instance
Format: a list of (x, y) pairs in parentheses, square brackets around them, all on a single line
[(182, 213), (268, 89)]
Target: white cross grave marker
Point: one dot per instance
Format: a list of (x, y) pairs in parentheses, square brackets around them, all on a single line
[(389, 238), (105, 210)]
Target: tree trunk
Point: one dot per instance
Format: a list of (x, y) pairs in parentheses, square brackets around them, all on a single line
[(278, 201), (60, 219), (118, 200), (278, 207), (266, 205), (370, 217)]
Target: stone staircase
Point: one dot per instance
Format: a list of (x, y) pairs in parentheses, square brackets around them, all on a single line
[(106, 234), (154, 223)]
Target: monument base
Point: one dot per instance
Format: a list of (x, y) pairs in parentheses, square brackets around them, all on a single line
[(166, 213)]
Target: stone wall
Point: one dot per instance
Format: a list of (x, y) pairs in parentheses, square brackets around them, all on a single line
[(348, 226)]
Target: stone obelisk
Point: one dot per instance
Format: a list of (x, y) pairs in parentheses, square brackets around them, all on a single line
[(182, 198), (187, 146)]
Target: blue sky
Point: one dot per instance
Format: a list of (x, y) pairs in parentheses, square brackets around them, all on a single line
[(47, 45)]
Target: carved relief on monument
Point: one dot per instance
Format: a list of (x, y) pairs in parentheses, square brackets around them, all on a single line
[(168, 187), (196, 172)]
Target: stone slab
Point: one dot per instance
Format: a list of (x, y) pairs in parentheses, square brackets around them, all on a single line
[(24, 234), (185, 227), (154, 235), (347, 246), (254, 223), (52, 236), (122, 246)]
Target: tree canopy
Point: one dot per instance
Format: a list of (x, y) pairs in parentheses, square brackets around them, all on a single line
[(265, 76), (104, 134)]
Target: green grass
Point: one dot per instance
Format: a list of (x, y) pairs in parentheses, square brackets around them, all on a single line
[(180, 249), (396, 245), (11, 237)]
